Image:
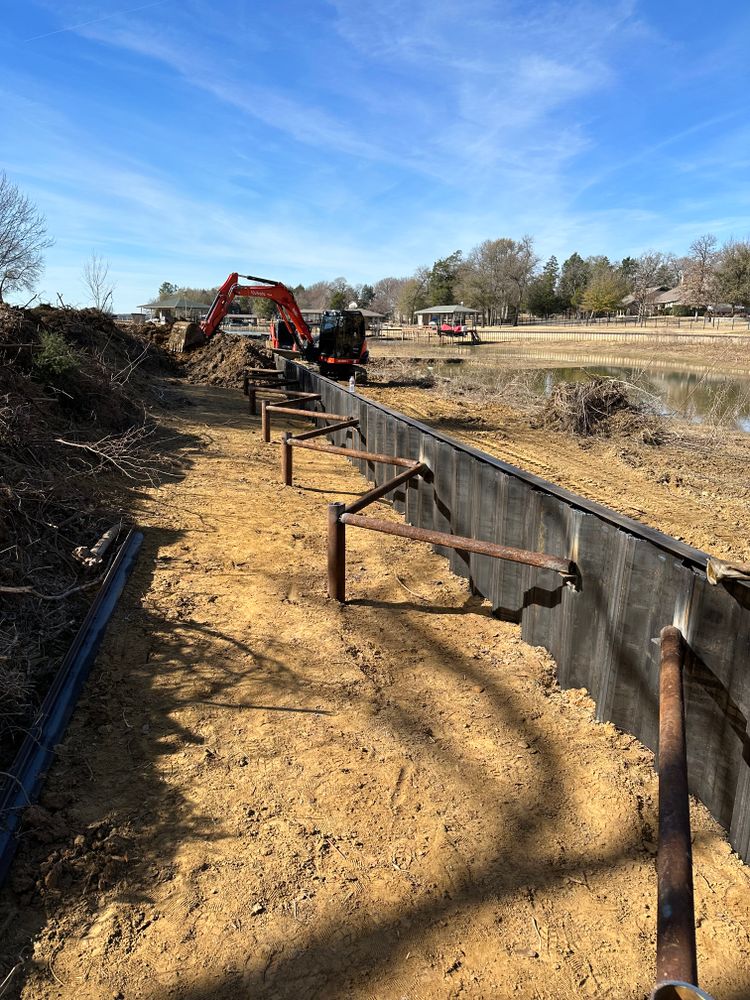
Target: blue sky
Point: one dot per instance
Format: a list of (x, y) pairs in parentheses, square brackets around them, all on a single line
[(184, 139)]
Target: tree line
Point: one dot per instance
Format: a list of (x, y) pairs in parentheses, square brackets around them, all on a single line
[(500, 278), (504, 277)]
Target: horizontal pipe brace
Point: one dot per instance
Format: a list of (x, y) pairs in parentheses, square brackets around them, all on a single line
[(301, 439), (273, 386), (380, 491), (264, 371), (311, 414), (332, 449), (538, 559)]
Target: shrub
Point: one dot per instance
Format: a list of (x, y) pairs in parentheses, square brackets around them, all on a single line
[(55, 357)]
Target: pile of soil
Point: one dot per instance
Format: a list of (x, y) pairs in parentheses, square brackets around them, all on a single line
[(224, 360), (599, 406), (75, 396)]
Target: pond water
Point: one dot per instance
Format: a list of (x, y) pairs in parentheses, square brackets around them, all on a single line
[(692, 395)]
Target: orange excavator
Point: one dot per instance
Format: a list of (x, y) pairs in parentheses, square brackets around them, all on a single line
[(340, 347)]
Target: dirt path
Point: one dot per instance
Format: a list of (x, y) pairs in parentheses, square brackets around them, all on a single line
[(697, 490), (263, 794)]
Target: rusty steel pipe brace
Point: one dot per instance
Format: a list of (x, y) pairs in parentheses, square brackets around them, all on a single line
[(320, 431), (299, 441), (339, 517), (416, 469), (287, 441), (540, 560), (266, 408), (311, 414), (675, 928), (276, 389)]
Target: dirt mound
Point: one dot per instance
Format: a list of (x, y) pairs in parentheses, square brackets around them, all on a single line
[(224, 360), (599, 406), (75, 395)]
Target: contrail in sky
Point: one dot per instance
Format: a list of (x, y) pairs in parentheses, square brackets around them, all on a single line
[(96, 20)]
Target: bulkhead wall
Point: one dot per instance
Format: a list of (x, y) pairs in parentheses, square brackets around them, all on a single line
[(633, 580)]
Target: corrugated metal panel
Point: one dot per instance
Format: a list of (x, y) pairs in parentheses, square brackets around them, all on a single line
[(633, 581)]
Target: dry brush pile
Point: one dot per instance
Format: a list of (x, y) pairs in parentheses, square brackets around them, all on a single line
[(75, 395), (605, 407)]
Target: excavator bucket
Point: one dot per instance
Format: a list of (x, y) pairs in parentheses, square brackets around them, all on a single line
[(184, 336)]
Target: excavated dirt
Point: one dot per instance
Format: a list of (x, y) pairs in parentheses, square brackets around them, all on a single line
[(224, 360), (695, 485), (263, 794)]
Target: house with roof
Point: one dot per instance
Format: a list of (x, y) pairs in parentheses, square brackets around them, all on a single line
[(174, 307)]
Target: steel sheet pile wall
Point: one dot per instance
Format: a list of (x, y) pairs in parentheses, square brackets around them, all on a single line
[(633, 581)]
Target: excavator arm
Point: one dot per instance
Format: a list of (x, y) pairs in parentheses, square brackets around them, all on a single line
[(263, 289)]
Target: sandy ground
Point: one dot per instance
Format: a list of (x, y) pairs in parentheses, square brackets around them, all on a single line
[(263, 794), (715, 359), (695, 487)]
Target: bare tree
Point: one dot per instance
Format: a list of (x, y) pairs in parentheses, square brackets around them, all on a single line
[(495, 276), (386, 295), (651, 271), (700, 279), (97, 281), (23, 238), (734, 273), (413, 294)]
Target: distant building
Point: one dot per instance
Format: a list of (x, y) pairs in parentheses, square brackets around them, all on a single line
[(630, 304), (454, 315), (173, 307), (667, 300)]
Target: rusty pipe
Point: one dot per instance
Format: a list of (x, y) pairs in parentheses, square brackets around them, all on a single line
[(538, 559), (675, 928), (279, 386), (311, 414), (336, 553), (380, 491), (299, 441), (286, 460), (320, 431)]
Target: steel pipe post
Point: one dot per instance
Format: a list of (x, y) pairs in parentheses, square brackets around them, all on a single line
[(251, 401), (675, 928), (286, 459), (336, 553), (265, 423)]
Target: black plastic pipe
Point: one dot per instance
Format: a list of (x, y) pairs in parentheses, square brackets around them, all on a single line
[(26, 777)]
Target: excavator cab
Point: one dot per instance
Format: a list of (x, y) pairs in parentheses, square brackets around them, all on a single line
[(342, 342)]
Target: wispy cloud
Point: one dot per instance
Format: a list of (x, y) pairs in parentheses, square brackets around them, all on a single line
[(97, 20)]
